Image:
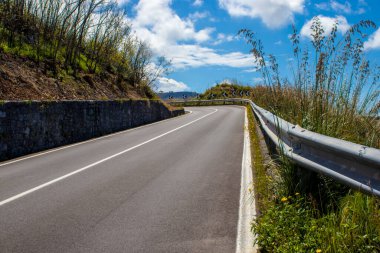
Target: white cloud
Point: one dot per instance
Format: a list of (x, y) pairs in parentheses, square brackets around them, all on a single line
[(339, 7), (178, 40), (168, 84), (363, 3), (198, 3), (198, 15), (361, 11), (250, 70), (158, 23), (122, 2), (323, 6), (221, 38), (185, 56), (278, 43), (327, 24), (274, 13), (373, 41)]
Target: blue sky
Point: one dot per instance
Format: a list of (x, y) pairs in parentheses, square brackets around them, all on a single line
[(199, 36)]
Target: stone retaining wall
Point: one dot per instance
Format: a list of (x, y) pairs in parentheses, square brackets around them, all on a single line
[(32, 126)]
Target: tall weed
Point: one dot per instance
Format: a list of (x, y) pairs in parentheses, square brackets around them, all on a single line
[(333, 89)]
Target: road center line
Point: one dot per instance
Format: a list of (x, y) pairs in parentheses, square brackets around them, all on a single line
[(98, 162)]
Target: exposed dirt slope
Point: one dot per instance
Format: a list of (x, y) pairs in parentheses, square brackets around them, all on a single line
[(24, 79)]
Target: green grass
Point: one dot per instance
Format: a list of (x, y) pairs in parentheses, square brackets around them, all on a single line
[(25, 50), (261, 178), (292, 224), (82, 60)]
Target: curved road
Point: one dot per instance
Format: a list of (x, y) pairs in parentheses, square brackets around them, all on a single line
[(172, 186)]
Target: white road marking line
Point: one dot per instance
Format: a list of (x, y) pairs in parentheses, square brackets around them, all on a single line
[(247, 208), (87, 141), (98, 162)]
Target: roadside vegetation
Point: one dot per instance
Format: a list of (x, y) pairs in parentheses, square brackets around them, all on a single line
[(87, 40), (334, 91), (228, 89), (261, 169)]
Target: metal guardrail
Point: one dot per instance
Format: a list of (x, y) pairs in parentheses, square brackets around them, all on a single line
[(352, 164)]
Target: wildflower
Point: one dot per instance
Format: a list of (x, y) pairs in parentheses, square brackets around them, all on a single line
[(318, 251), (297, 193), (284, 199)]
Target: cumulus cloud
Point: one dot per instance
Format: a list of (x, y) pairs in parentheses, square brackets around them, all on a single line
[(168, 84), (273, 13), (178, 40), (186, 56), (373, 41), (327, 24), (156, 20)]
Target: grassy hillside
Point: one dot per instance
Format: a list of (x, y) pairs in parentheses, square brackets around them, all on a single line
[(72, 50), (24, 79)]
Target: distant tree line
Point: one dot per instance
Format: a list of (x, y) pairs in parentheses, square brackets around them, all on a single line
[(78, 35)]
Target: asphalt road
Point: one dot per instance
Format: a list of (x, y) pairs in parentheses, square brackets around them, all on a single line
[(167, 187)]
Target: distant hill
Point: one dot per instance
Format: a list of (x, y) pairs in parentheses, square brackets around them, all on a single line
[(226, 90), (177, 95)]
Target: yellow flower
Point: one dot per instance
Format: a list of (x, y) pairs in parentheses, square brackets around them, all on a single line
[(284, 199), (297, 193), (318, 251)]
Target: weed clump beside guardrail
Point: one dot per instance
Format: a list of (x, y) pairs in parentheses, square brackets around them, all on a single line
[(292, 224), (336, 92)]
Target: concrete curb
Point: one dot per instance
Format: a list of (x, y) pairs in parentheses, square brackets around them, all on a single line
[(247, 206)]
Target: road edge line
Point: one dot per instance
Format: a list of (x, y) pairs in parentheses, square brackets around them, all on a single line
[(247, 205)]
